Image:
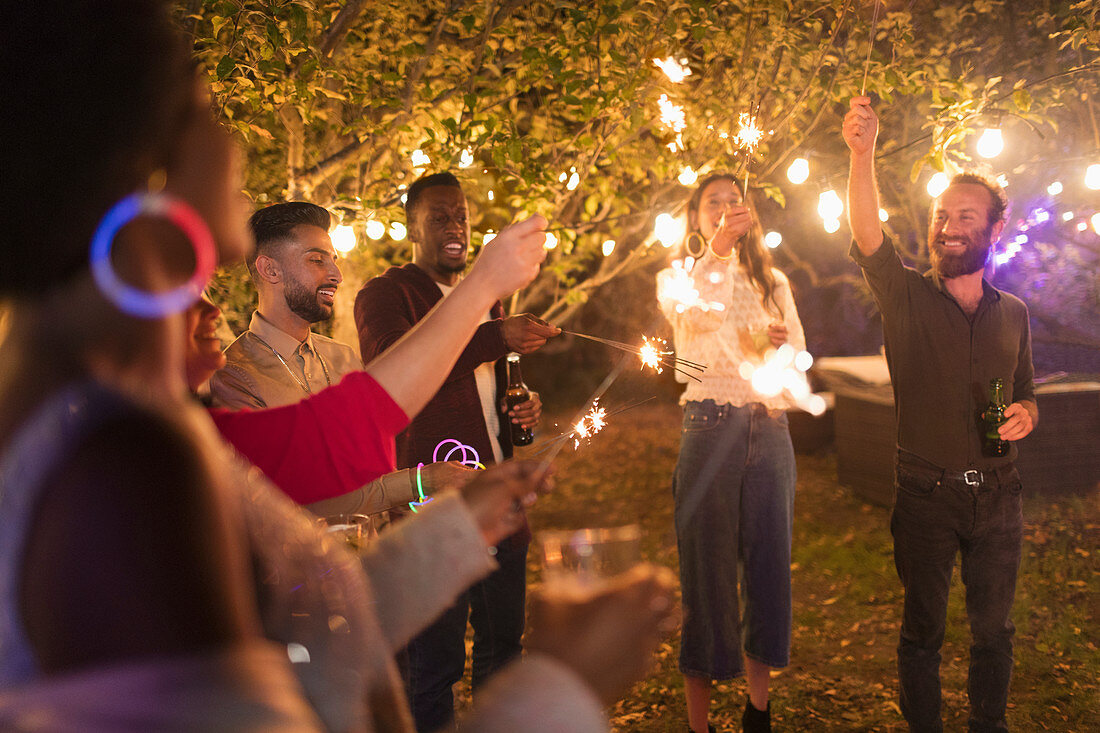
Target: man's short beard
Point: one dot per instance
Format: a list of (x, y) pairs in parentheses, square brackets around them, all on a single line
[(303, 303), (972, 259)]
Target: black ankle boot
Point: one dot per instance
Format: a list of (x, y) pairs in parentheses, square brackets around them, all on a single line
[(756, 721)]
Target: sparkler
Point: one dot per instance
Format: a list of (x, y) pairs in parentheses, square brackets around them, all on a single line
[(870, 48), (748, 137), (649, 353), (678, 285), (587, 426), (673, 117)]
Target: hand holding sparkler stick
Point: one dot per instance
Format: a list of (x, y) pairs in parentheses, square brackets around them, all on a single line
[(870, 48)]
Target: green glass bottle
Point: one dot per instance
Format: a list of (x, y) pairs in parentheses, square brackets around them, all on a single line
[(993, 417)]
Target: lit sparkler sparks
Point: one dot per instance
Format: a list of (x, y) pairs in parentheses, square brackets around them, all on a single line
[(676, 71), (649, 353), (748, 134), (651, 356), (593, 422), (673, 117), (677, 284)]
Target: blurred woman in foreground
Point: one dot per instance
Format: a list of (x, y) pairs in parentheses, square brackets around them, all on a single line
[(147, 579)]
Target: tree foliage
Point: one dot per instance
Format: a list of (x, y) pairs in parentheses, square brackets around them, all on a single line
[(551, 106)]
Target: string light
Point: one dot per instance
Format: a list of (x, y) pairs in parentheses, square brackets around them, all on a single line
[(832, 226), (466, 159), (798, 171), (991, 143), (1067, 216), (676, 71), (489, 236), (883, 215), (667, 230), (672, 114), (1002, 181), (491, 195), (420, 160), (1096, 222), (1092, 177), (343, 239), (1082, 226), (1055, 188), (608, 247), (937, 184), (829, 206), (574, 180), (551, 240), (687, 176), (375, 229), (773, 239), (397, 231)]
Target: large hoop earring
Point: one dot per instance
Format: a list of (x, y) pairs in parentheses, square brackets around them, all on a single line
[(695, 245), (135, 301)]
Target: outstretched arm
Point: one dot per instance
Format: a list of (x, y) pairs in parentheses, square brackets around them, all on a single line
[(860, 130)]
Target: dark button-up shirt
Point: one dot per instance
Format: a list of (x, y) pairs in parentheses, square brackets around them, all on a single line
[(941, 360)]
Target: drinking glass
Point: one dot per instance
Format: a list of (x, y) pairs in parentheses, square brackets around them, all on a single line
[(355, 530), (584, 559)]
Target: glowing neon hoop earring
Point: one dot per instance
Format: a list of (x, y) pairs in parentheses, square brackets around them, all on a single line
[(135, 301)]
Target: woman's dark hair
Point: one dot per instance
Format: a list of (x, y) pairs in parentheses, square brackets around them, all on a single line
[(98, 92), (752, 254)]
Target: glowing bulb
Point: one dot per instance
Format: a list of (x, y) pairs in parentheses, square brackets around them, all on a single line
[(832, 225), (562, 177), (343, 239), (1055, 188), (883, 215), (815, 405), (397, 231), (420, 159), (667, 230), (1067, 216), (798, 171), (574, 181), (551, 240), (672, 114), (1096, 222), (990, 144), (1092, 176), (1082, 226), (937, 184), (375, 229), (491, 194), (1002, 181), (773, 239), (803, 360), (676, 71), (687, 176), (829, 205), (608, 247), (489, 236), (466, 159)]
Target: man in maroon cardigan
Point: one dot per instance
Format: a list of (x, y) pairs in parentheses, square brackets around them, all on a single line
[(467, 408)]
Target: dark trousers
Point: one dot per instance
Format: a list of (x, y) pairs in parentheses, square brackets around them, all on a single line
[(935, 517), (435, 660)]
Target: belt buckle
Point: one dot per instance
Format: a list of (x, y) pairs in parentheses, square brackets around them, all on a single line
[(973, 477)]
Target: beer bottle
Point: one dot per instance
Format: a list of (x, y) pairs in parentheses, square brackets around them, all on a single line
[(517, 393), (992, 417)]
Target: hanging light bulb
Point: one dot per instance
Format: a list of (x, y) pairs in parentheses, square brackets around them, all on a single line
[(773, 239), (667, 230), (687, 176), (491, 195), (574, 180), (798, 171), (937, 184), (375, 229), (608, 247), (489, 236), (343, 239), (466, 159), (832, 225), (1002, 181), (1055, 188), (1096, 222), (991, 143), (397, 231), (1067, 216), (829, 205), (551, 240), (883, 215), (419, 159), (1092, 176)]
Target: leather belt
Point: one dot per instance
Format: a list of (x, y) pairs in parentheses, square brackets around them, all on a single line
[(969, 477)]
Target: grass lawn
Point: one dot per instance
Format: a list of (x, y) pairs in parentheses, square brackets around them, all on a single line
[(847, 598)]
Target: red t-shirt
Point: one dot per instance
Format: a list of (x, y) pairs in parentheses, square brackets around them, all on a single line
[(335, 441)]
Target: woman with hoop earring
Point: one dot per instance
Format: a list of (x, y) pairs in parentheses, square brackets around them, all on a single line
[(735, 477)]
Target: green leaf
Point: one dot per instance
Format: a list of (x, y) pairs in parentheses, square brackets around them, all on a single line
[(1022, 99), (225, 67)]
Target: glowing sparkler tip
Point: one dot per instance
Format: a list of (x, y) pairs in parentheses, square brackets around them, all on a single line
[(748, 135)]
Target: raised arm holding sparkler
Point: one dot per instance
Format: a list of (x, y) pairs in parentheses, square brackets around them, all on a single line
[(735, 477)]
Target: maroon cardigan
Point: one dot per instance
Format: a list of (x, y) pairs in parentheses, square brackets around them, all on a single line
[(385, 309)]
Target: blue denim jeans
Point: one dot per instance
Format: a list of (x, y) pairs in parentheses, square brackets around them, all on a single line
[(434, 661), (734, 496), (934, 519)]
